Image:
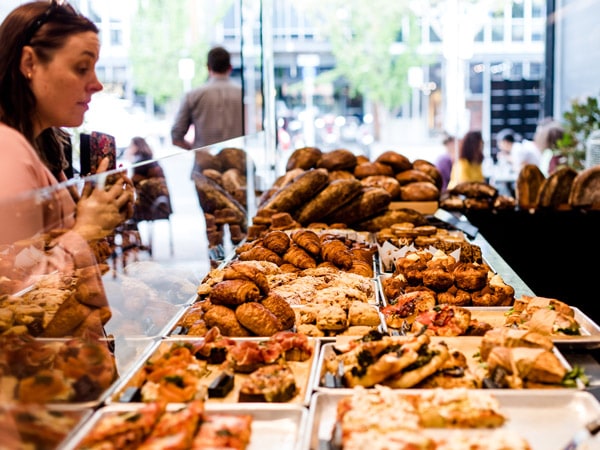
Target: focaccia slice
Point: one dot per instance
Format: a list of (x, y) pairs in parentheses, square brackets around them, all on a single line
[(224, 431), (431, 358)]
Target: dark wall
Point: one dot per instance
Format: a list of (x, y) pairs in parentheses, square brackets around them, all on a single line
[(556, 254), (577, 51)]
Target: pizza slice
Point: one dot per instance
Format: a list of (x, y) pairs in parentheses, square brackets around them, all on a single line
[(124, 430), (459, 408), (431, 358), (271, 383), (175, 430), (229, 431)]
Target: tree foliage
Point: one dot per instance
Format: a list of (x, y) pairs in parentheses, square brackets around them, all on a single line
[(362, 35), (163, 32)]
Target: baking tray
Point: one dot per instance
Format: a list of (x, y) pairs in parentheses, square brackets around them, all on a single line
[(39, 426), (78, 385), (590, 331), (546, 419), (274, 426), (304, 372), (468, 345), (332, 335)]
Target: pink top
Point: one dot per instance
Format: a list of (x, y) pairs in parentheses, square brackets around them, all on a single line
[(27, 211)]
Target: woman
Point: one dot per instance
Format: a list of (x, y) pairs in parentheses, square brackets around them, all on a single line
[(470, 157), (47, 78), (153, 200), (138, 151)]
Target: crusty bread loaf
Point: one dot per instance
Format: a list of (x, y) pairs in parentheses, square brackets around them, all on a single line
[(474, 189), (206, 160), (430, 169), (419, 191), (585, 192), (339, 159), (391, 216), (334, 195), (232, 158), (396, 160), (390, 184), (369, 202), (413, 175), (555, 190), (372, 168), (304, 158), (299, 191), (529, 182)]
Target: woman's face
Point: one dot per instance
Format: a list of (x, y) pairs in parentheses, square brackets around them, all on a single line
[(63, 87)]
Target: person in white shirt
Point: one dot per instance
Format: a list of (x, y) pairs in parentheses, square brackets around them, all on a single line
[(517, 151)]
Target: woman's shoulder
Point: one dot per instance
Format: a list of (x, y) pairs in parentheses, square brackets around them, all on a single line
[(15, 146)]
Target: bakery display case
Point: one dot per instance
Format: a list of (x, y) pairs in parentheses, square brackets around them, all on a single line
[(255, 298)]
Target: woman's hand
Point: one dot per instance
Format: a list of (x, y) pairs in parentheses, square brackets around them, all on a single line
[(100, 211)]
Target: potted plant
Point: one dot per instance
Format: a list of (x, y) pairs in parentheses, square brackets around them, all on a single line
[(579, 123)]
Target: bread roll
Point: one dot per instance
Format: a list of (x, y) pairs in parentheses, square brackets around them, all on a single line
[(420, 191), (388, 183), (529, 182), (339, 159), (585, 192), (396, 160), (413, 175), (430, 169), (372, 168), (232, 158), (304, 158), (391, 216), (555, 190)]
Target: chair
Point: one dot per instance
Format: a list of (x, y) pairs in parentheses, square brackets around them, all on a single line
[(153, 203)]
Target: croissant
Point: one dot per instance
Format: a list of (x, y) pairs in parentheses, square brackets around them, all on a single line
[(234, 292), (242, 270), (308, 240), (336, 252), (260, 253), (297, 256), (361, 267), (277, 240)]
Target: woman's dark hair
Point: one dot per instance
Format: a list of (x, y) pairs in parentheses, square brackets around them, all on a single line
[(142, 152), (471, 147), (45, 26)]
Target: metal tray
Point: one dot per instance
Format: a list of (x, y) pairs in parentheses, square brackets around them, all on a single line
[(37, 426), (304, 372), (546, 419), (468, 345), (274, 426), (590, 331)]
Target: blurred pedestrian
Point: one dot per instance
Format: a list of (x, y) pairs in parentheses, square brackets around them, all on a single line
[(445, 161), (468, 166), (215, 110), (516, 150)]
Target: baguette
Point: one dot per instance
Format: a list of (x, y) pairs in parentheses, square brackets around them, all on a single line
[(304, 187), (334, 195)]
